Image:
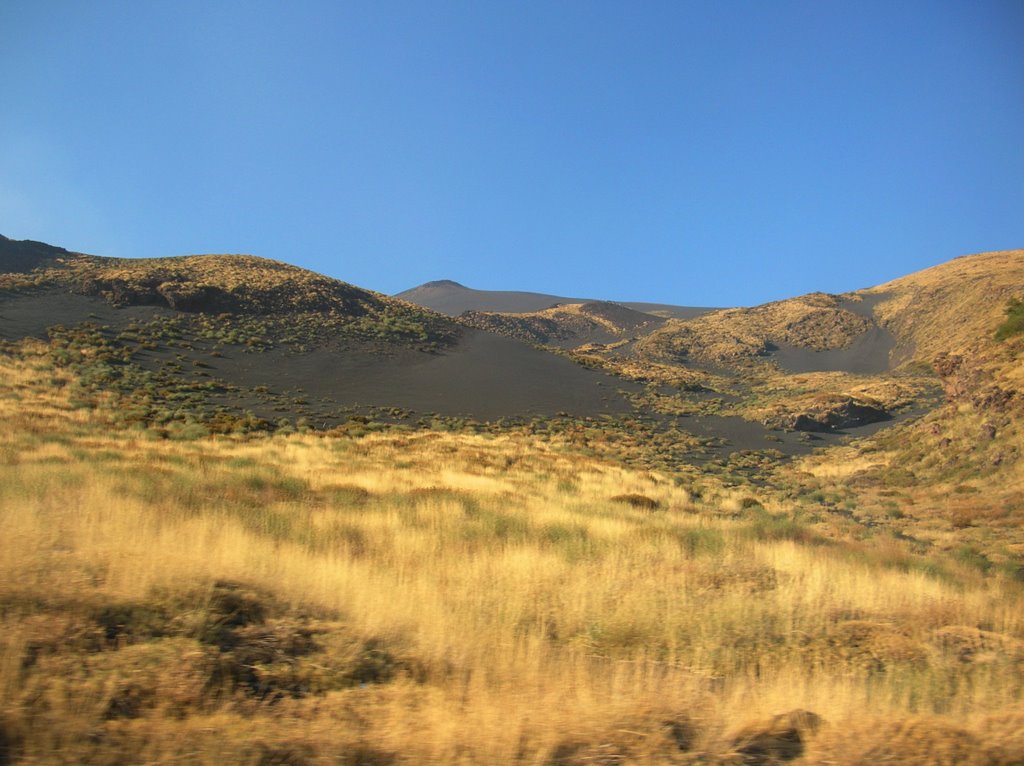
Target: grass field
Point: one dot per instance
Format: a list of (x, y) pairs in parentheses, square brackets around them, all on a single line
[(451, 598)]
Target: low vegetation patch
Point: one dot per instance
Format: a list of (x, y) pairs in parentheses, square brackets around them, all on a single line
[(1014, 322)]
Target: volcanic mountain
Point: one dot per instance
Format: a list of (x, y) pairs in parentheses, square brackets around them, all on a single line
[(223, 337)]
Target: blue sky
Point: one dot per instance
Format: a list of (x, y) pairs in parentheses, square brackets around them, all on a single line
[(700, 153)]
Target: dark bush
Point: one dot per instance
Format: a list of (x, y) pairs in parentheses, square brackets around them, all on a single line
[(637, 501)]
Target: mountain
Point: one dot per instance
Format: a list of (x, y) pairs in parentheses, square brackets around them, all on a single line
[(224, 339), (451, 298)]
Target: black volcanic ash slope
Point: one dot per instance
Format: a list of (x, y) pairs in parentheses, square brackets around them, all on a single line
[(236, 333)]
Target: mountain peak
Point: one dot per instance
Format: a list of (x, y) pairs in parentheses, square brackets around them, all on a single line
[(444, 283)]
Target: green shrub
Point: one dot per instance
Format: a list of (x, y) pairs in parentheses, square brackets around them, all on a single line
[(1014, 323), (971, 557)]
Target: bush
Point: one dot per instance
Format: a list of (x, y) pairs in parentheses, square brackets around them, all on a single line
[(1014, 323), (638, 501)]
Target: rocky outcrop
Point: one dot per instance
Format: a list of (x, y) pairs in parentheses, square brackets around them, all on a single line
[(831, 414)]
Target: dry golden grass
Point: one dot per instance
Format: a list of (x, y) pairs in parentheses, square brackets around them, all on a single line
[(953, 480), (566, 324), (815, 321), (437, 598), (953, 307)]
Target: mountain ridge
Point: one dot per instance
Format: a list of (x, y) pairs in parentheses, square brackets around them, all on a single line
[(767, 375), (452, 298)]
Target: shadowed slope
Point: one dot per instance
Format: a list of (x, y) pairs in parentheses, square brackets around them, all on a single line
[(21, 256)]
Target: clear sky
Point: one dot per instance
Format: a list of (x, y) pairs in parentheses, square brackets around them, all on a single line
[(699, 153)]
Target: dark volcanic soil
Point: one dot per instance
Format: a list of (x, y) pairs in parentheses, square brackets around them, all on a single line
[(868, 354), (484, 376), (29, 315)]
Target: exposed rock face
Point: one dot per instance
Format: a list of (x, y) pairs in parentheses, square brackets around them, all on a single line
[(964, 381), (958, 377), (833, 414), (994, 398)]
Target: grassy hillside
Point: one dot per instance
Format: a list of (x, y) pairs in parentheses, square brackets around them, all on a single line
[(235, 288), (225, 341), (953, 480), (430, 598), (817, 322), (953, 307)]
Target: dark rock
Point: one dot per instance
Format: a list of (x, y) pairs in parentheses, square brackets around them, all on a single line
[(638, 501), (285, 755), (993, 398), (947, 364), (781, 739), (8, 745), (831, 416)]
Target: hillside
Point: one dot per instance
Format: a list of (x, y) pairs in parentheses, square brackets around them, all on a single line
[(952, 307), (233, 339), (434, 598), (230, 342), (813, 324), (233, 285), (453, 299), (954, 479), (568, 325)]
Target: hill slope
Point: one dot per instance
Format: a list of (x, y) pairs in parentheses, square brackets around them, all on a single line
[(568, 325), (195, 336), (451, 298), (229, 339), (952, 307), (416, 596)]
